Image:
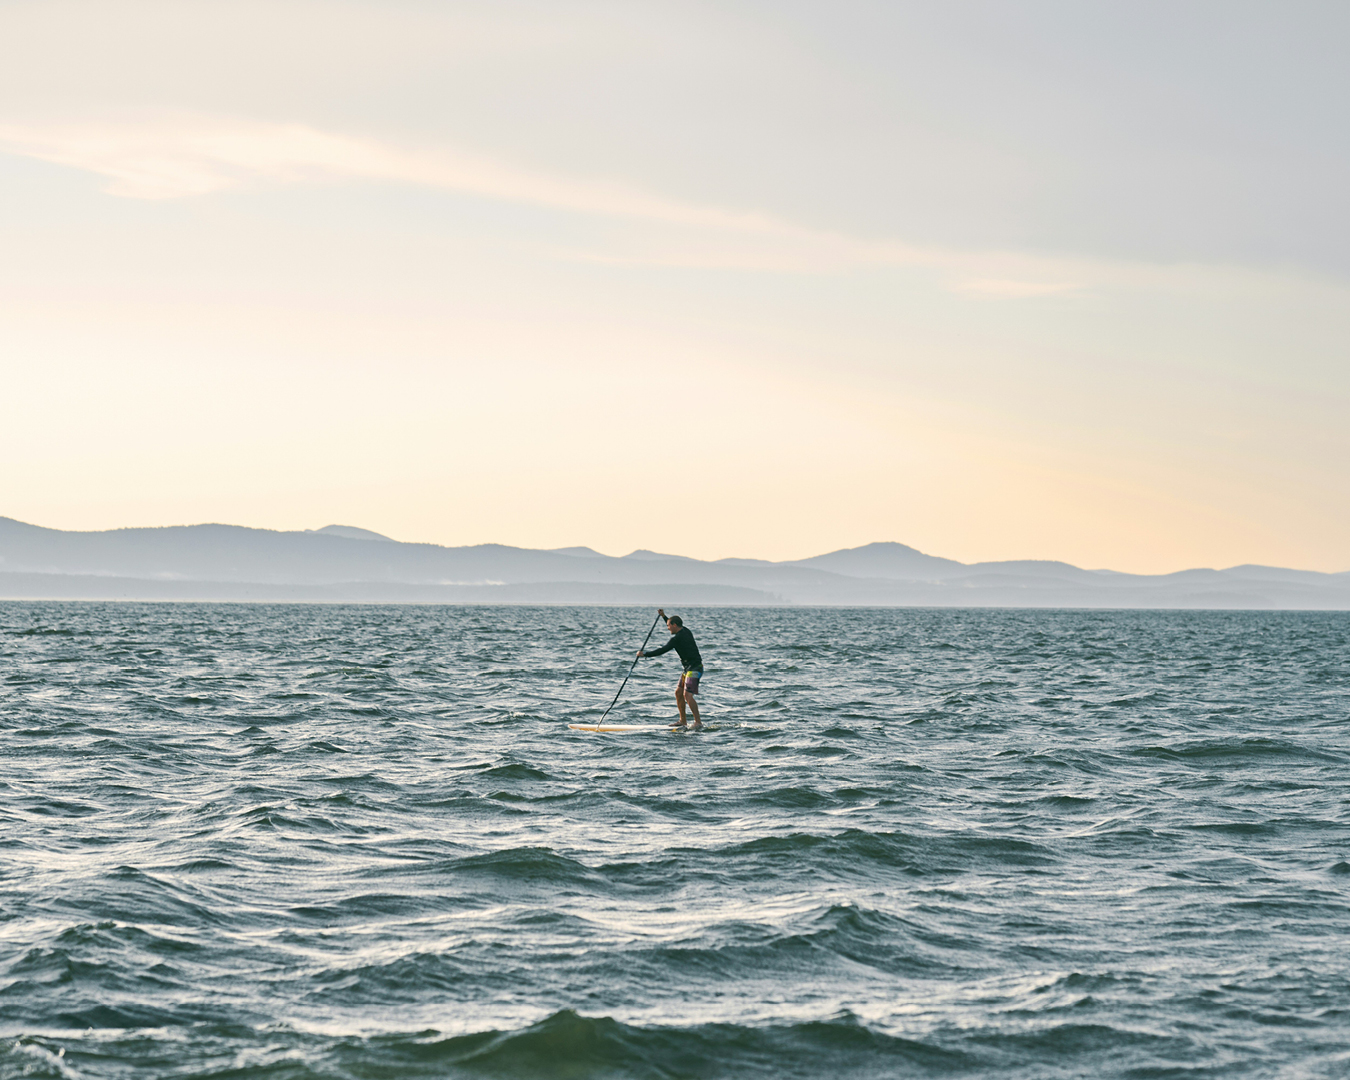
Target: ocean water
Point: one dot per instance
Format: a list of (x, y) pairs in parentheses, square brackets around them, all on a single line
[(293, 841)]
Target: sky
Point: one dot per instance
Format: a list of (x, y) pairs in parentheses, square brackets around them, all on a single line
[(747, 279)]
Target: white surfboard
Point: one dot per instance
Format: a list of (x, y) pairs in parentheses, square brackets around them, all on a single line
[(620, 728)]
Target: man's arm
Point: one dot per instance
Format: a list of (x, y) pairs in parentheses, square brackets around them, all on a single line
[(662, 613), (663, 649)]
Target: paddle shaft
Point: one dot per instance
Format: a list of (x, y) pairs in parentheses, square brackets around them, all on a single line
[(630, 670)]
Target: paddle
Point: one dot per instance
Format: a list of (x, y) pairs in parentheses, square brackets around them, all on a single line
[(660, 614)]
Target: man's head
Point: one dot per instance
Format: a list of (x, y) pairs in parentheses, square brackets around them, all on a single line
[(674, 624)]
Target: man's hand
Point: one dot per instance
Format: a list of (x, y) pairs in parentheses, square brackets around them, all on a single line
[(662, 612), (641, 653)]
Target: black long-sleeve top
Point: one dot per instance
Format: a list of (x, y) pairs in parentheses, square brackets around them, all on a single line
[(682, 641)]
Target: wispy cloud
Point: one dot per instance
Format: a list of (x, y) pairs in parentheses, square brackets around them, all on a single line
[(192, 155), (1011, 288)]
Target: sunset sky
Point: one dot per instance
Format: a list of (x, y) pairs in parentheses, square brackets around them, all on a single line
[(995, 280)]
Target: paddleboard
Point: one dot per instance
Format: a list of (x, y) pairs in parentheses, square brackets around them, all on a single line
[(620, 728)]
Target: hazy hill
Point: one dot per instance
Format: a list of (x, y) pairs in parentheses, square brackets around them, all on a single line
[(351, 532), (342, 562), (883, 560)]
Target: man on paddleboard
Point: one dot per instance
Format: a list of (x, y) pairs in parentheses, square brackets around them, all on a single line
[(691, 663)]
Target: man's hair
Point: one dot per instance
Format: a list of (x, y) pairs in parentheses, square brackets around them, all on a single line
[(677, 621)]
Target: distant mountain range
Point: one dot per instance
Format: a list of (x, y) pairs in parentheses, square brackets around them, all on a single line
[(344, 563)]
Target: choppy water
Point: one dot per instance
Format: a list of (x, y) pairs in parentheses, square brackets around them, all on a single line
[(293, 841)]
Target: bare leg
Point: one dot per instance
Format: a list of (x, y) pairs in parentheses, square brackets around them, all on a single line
[(679, 700), (692, 702)]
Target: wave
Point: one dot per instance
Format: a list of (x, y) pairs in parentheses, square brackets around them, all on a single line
[(1261, 750), (516, 771), (533, 865), (857, 852), (839, 946), (567, 1045)]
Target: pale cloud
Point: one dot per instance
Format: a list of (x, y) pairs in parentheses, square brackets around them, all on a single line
[(186, 155), (176, 158), (1012, 289), (183, 156)]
